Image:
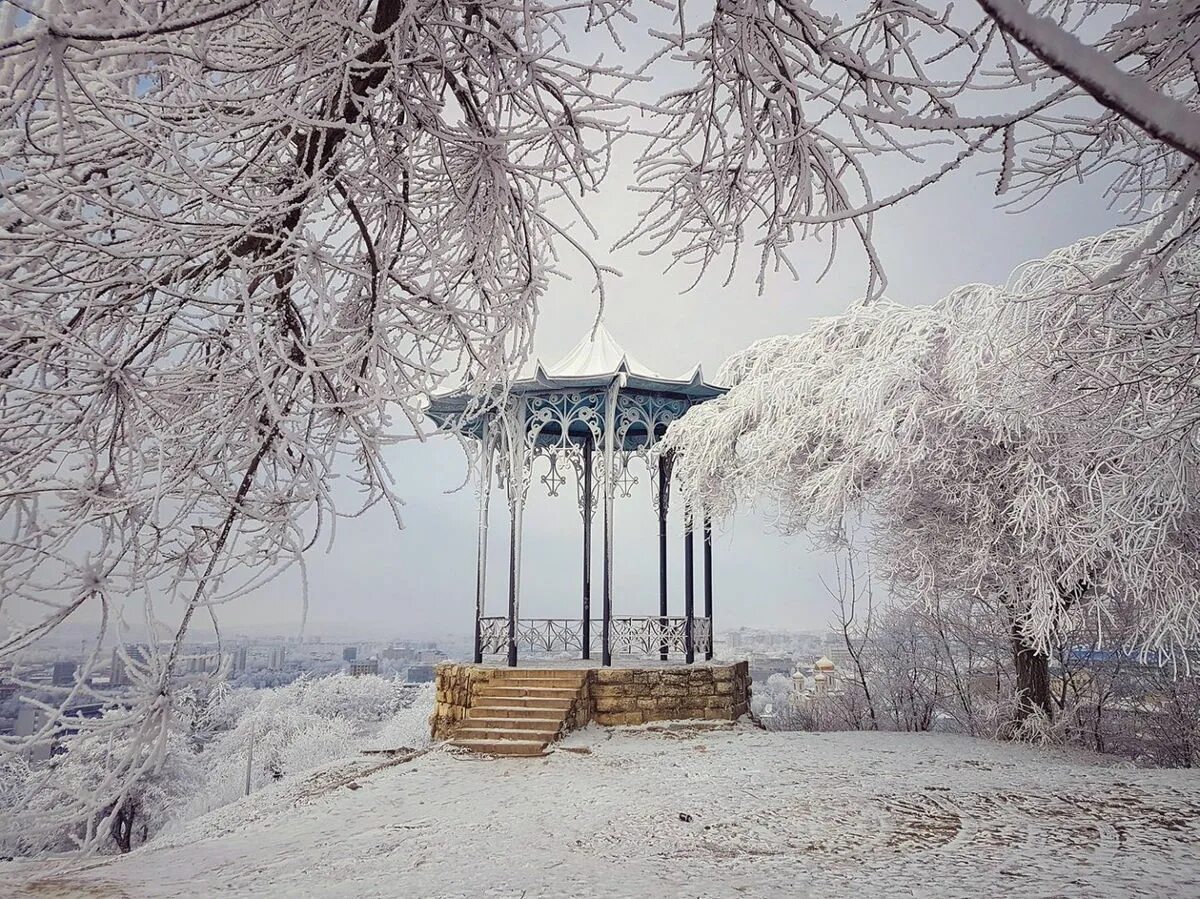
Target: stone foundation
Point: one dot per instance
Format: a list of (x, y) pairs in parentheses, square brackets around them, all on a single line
[(638, 695), (614, 696), (455, 687)]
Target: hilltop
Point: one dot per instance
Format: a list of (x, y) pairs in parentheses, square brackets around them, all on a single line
[(683, 812)]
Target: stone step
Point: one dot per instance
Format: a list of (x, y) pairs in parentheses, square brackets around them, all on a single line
[(560, 704), (567, 675), (545, 692), (503, 747), (476, 731), (557, 683), (480, 718), (527, 712)]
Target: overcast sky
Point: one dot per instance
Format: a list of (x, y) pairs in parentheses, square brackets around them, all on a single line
[(420, 581)]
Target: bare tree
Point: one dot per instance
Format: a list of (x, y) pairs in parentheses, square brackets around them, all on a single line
[(244, 238), (855, 604), (241, 239)]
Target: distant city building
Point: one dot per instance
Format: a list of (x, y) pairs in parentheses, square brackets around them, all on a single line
[(29, 721), (364, 666), (841, 658), (420, 674), (762, 667), (350, 653), (197, 665), (7, 686), (237, 661), (118, 675), (277, 657), (64, 674), (116, 669), (427, 656), (772, 642), (836, 651)]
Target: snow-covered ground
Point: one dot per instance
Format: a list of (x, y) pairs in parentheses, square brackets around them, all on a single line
[(676, 812)]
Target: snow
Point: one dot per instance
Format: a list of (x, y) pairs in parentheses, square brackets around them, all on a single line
[(771, 814), (598, 353)]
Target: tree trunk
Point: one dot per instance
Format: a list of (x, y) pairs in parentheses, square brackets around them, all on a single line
[(122, 825), (1033, 679)]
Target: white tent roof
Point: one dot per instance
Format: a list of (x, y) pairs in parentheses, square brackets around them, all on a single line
[(598, 354)]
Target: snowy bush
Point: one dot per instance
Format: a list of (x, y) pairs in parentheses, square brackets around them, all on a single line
[(39, 807), (361, 699), (292, 730), (408, 727), (219, 735)]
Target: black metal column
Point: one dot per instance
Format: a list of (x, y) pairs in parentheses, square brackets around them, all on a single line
[(689, 587), (708, 613), (610, 427), (587, 548), (514, 536), (485, 490), (662, 552), (606, 624)]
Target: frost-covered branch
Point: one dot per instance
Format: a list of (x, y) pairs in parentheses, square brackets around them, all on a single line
[(1031, 445), (795, 102), (242, 244), (1162, 117)]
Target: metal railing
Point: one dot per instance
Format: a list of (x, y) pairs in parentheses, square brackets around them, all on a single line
[(644, 636)]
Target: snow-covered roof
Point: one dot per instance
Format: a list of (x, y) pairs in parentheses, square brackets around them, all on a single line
[(597, 353), (594, 364), (598, 356)]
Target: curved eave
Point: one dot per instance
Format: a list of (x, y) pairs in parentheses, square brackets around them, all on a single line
[(447, 409), (690, 386)]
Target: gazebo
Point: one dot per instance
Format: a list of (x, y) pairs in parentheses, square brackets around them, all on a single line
[(595, 411)]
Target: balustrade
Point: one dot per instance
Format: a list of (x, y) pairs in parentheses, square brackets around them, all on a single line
[(640, 636)]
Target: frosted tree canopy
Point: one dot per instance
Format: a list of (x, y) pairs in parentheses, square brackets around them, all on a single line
[(1032, 443), (243, 240)]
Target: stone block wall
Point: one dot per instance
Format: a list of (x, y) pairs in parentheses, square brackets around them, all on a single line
[(615, 696), (455, 687), (581, 709), (640, 695)]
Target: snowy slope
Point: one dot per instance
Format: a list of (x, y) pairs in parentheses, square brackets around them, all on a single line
[(771, 815)]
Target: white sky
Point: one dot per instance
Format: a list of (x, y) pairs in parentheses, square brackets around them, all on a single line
[(420, 581)]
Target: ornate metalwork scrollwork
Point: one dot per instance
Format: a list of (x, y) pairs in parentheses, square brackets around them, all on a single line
[(651, 414), (558, 412), (493, 635), (553, 478), (638, 636), (624, 480), (577, 459), (534, 634), (547, 421)]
